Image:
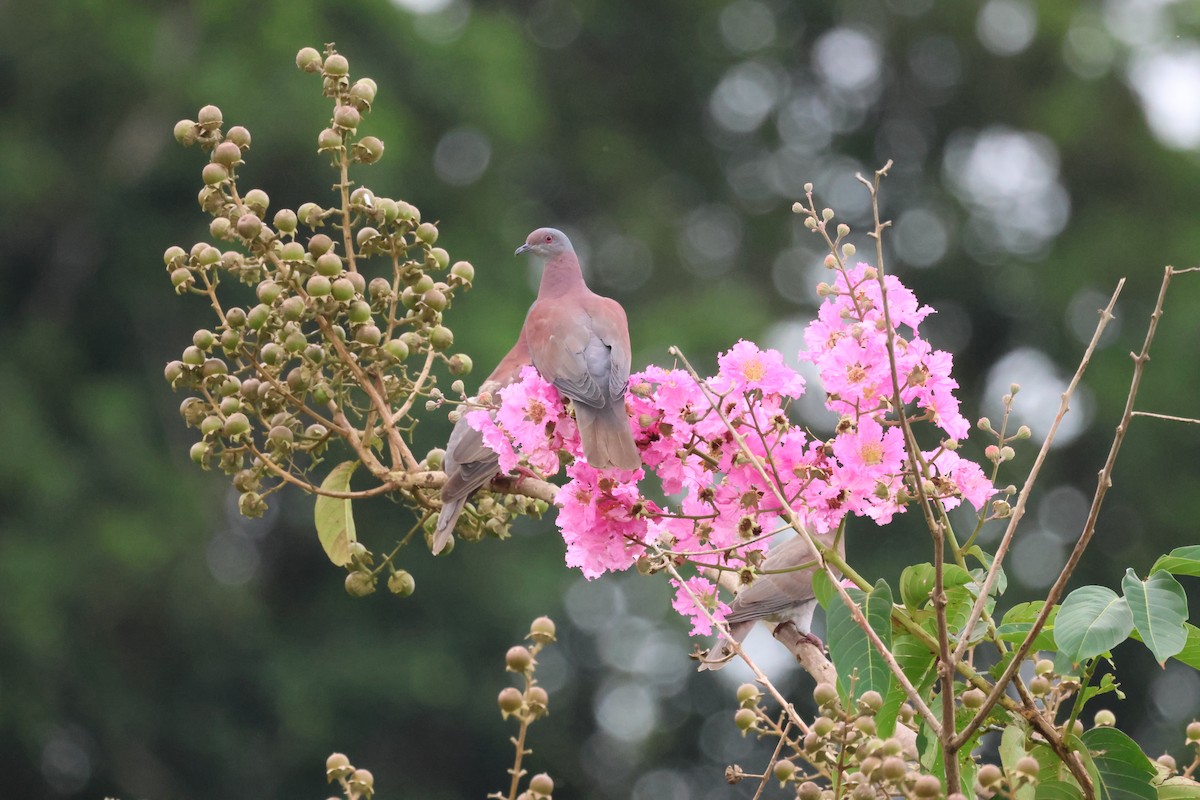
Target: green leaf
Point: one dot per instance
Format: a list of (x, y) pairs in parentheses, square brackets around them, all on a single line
[(1092, 621), (959, 600), (857, 661), (1012, 750), (823, 589), (1180, 561), (917, 581), (985, 558), (1057, 790), (1190, 654), (335, 522), (1179, 788), (916, 661), (1018, 621), (1050, 766), (1107, 684), (1159, 608), (1125, 771)]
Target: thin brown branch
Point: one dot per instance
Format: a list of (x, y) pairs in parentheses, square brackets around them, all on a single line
[(1018, 509), (1104, 481)]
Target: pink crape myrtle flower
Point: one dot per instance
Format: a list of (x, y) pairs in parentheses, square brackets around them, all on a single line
[(960, 479), (598, 521), (746, 367), (706, 594), (531, 419)]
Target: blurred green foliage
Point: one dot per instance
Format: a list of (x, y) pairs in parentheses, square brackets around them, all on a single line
[(153, 644)]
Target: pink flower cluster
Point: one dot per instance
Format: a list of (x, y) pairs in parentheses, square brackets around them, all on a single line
[(722, 504)]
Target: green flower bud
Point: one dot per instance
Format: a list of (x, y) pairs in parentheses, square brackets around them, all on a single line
[(427, 232), (537, 699), (364, 90), (518, 659), (784, 770), (460, 364), (318, 286), (401, 583), (542, 630), (257, 200), (337, 765), (824, 694), (174, 256), (329, 264), (407, 212), (328, 139), (973, 698), (510, 701), (871, 700), (360, 584), (1193, 732), (193, 356), (1044, 666), (927, 786), (310, 214), (219, 227), (227, 154), (209, 118), (462, 273), (258, 316), (434, 299), (286, 221), (397, 349), (441, 337), (1028, 766), (343, 290), (989, 775), (199, 452), (249, 226), (292, 251), (236, 424), (239, 136), (359, 312), (363, 779), (336, 66), (441, 258), (185, 132), (748, 693), (368, 334), (365, 236), (320, 244), (182, 278), (230, 405), (744, 719), (271, 354), (292, 308), (346, 117), (308, 59), (808, 791), (822, 726), (214, 174), (173, 371), (894, 768), (368, 150), (1039, 686)]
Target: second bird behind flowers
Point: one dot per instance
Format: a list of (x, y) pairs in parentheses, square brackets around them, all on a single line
[(579, 342)]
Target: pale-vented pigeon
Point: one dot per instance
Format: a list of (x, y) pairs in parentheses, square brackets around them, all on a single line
[(777, 597), (579, 341), (469, 463)]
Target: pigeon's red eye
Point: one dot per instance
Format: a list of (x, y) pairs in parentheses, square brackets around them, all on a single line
[(549, 239)]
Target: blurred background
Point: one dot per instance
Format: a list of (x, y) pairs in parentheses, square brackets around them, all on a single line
[(153, 644)]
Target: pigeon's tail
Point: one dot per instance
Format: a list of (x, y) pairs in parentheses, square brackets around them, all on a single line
[(607, 439), (721, 653), (451, 509)]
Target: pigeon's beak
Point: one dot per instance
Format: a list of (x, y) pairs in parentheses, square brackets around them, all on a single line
[(525, 248)]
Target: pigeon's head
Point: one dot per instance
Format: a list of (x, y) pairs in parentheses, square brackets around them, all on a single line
[(546, 242)]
